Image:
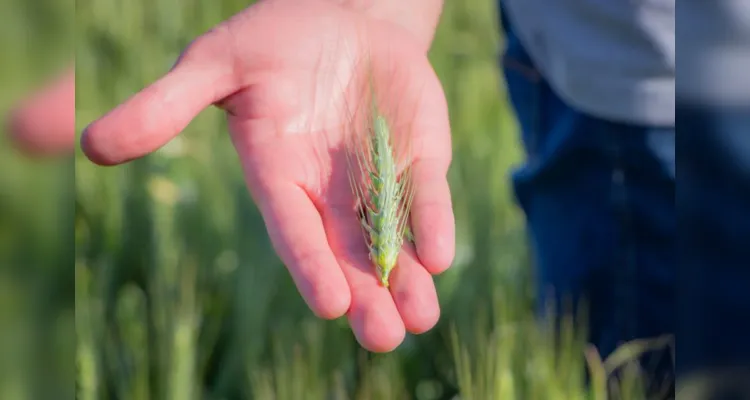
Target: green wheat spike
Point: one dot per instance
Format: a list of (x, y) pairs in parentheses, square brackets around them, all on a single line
[(384, 195)]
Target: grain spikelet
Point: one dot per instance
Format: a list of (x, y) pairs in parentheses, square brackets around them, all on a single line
[(384, 196)]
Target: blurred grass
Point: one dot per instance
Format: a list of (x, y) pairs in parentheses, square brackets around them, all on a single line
[(37, 335), (181, 297), (178, 294)]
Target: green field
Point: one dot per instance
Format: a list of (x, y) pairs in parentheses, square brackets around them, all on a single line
[(178, 294)]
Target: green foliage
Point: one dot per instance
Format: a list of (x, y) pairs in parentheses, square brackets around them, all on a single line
[(37, 336), (178, 294)]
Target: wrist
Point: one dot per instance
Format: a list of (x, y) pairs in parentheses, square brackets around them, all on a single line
[(418, 17)]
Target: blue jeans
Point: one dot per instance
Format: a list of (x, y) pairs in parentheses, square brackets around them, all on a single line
[(713, 202), (599, 200)]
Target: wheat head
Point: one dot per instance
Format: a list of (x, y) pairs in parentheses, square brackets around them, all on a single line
[(384, 196)]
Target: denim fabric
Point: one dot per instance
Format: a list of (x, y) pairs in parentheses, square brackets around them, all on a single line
[(599, 199), (713, 202)]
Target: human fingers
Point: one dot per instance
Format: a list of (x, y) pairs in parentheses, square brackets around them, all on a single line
[(296, 231), (44, 124), (204, 75), (414, 294), (373, 315), (432, 216)]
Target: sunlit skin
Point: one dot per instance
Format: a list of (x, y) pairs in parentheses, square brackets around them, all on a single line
[(269, 68), (43, 124)]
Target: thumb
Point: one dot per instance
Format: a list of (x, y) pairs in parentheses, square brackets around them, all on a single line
[(203, 75)]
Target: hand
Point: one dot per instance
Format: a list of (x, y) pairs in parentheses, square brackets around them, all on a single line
[(44, 124), (276, 68)]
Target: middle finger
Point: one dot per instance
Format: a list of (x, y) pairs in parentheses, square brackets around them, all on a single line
[(373, 315)]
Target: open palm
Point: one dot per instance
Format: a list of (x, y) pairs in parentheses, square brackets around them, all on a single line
[(285, 72)]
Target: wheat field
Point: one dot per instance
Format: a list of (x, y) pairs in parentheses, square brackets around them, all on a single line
[(176, 292)]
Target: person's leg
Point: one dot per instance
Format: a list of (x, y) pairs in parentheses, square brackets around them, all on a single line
[(599, 198), (713, 203)]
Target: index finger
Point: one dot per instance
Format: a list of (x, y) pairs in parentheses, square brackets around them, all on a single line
[(202, 76)]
